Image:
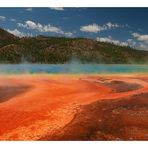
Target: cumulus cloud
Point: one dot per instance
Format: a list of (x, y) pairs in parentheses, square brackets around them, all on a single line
[(43, 28), (57, 8), (141, 46), (69, 34), (18, 33), (39, 27), (110, 40), (138, 41), (141, 41), (140, 37), (129, 42), (2, 18), (91, 28), (95, 28)]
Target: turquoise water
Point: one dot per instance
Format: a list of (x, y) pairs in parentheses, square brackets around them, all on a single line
[(71, 68)]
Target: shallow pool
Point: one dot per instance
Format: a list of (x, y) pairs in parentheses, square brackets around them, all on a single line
[(71, 68)]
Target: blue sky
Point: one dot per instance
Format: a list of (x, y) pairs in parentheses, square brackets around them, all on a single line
[(124, 26)]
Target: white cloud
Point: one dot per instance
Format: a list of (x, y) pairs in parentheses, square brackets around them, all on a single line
[(57, 8), (142, 39), (95, 28), (129, 40), (28, 9), (18, 33), (110, 40), (139, 37), (111, 25), (142, 46), (2, 18), (135, 34), (43, 28), (69, 34), (91, 28), (39, 27)]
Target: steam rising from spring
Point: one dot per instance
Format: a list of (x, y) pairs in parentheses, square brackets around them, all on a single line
[(73, 67)]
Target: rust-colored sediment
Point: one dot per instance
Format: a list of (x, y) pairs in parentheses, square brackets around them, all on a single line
[(65, 107)]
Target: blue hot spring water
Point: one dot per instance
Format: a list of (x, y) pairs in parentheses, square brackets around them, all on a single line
[(71, 68)]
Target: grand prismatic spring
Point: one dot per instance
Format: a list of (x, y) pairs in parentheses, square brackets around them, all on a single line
[(73, 102), (73, 73)]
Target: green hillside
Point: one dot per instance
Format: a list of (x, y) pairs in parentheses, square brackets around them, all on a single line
[(55, 50)]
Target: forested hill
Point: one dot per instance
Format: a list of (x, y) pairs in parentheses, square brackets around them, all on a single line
[(55, 50)]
